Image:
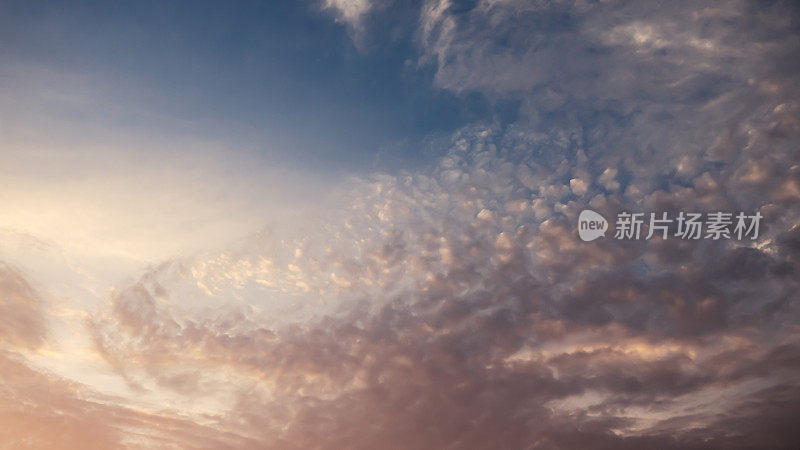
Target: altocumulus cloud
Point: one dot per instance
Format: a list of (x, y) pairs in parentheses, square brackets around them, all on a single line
[(457, 317), (454, 306)]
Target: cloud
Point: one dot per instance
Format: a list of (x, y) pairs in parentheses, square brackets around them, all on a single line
[(465, 320), (42, 410), (454, 306), (355, 15), (460, 308), (349, 11), (20, 311)]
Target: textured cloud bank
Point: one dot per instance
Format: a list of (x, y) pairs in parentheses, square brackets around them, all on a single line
[(467, 321), (455, 307)]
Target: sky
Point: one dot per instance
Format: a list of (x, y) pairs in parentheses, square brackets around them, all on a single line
[(354, 224)]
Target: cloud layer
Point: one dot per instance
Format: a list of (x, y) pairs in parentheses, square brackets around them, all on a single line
[(465, 320), (454, 306)]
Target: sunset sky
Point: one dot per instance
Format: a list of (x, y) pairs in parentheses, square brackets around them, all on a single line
[(352, 224)]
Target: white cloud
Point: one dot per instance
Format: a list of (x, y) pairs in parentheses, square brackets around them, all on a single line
[(349, 11)]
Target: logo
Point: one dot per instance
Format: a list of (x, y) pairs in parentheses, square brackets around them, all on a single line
[(693, 226), (591, 225)]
